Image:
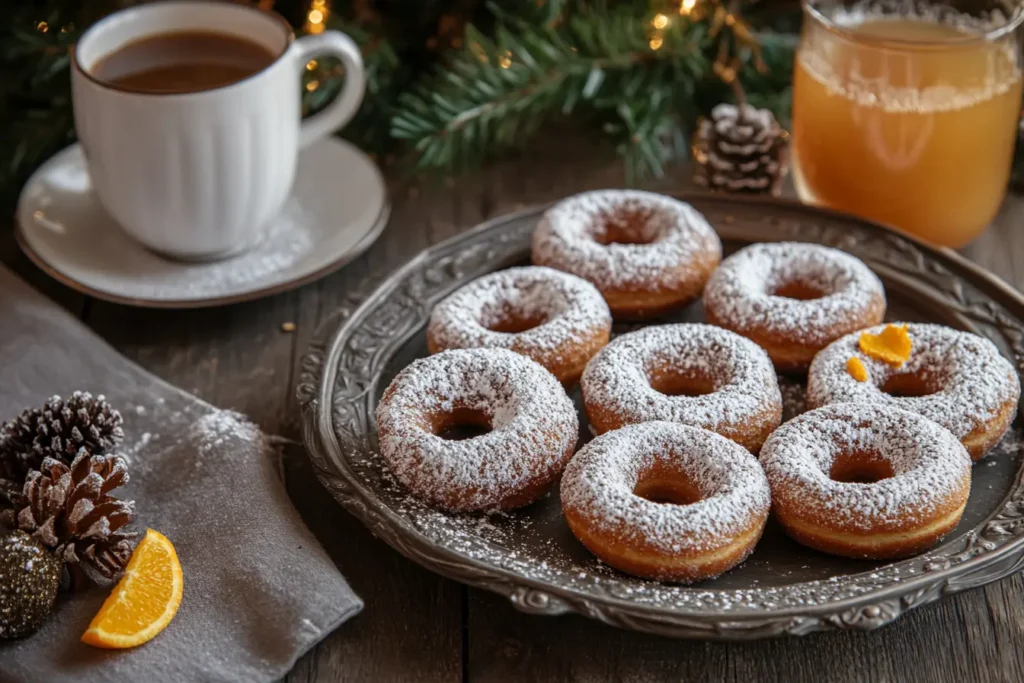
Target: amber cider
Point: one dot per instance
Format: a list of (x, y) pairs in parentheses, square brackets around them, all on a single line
[(908, 121)]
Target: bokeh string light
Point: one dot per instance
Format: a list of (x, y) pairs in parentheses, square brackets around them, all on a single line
[(658, 25), (316, 17)]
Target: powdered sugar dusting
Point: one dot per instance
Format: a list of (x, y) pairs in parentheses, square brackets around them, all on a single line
[(571, 309), (669, 234), (215, 429), (599, 483), (533, 424), (618, 379), (929, 465), (741, 293), (970, 379)]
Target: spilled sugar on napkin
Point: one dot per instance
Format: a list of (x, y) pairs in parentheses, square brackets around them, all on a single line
[(259, 589)]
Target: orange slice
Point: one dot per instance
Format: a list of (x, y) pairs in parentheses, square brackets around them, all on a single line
[(856, 368), (892, 345), (144, 600)]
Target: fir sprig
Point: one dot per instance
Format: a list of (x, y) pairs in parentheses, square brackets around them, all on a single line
[(495, 93), (35, 95)]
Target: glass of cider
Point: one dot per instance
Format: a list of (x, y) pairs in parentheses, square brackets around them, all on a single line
[(906, 112)]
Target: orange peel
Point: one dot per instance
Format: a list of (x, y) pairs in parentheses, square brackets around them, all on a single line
[(856, 368), (892, 345)]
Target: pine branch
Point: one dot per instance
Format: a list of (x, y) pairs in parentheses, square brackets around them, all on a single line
[(494, 94), (35, 94)]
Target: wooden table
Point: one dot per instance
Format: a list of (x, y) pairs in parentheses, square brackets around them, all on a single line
[(420, 627)]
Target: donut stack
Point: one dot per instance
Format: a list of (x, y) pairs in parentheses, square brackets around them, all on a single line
[(689, 458)]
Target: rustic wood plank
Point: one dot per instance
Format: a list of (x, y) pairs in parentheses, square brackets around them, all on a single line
[(999, 248), (235, 357), (956, 640)]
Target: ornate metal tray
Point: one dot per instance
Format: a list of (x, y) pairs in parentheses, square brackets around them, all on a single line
[(531, 556)]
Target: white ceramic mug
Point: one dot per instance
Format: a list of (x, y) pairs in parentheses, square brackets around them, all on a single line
[(200, 175)]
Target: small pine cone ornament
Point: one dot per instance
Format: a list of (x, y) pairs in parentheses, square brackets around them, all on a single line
[(741, 149), (69, 509), (58, 430)]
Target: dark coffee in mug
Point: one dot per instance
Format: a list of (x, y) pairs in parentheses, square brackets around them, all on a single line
[(182, 62)]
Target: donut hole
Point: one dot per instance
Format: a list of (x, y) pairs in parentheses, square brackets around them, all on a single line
[(674, 383), (800, 290), (462, 424), (860, 468), (514, 322), (908, 385), (667, 490), (627, 225)]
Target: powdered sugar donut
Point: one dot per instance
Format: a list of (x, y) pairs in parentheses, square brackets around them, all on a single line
[(866, 480), (646, 253), (693, 374), (954, 378), (532, 429), (666, 501), (793, 299), (557, 319)]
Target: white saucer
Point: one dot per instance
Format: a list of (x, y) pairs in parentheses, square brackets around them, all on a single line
[(337, 209)]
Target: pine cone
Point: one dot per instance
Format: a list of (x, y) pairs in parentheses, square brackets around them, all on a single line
[(740, 149), (58, 430), (70, 510), (16, 454)]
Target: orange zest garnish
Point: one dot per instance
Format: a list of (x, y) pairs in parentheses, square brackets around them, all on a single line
[(892, 345), (144, 600), (856, 368)]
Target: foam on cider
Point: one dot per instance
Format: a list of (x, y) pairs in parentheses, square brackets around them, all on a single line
[(869, 74)]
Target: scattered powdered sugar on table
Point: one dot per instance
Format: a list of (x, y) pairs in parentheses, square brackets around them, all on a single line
[(668, 233), (599, 482), (970, 379), (617, 379), (929, 465), (215, 429), (533, 424), (741, 293), (571, 312)]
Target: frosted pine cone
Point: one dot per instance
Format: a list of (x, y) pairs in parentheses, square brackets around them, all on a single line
[(740, 149), (71, 512)]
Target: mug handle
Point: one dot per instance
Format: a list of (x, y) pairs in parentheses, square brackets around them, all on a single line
[(344, 106)]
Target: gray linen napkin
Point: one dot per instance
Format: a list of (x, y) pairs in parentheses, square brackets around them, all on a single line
[(259, 589)]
